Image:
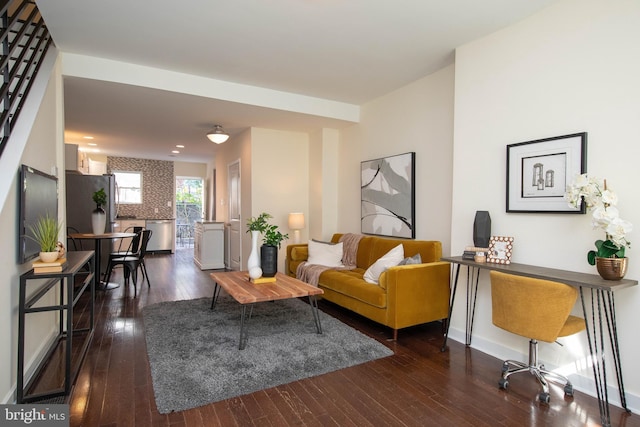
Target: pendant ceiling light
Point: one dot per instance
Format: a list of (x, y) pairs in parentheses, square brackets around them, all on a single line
[(217, 135)]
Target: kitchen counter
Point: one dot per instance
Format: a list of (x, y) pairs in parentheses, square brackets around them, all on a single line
[(208, 248)]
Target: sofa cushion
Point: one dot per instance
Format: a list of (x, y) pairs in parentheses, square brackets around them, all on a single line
[(390, 259), (300, 253), (321, 253), (416, 259), (351, 284)]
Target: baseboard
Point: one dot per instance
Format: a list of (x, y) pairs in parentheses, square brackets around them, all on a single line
[(31, 365), (580, 382)]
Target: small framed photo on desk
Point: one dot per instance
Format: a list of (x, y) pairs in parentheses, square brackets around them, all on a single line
[(500, 249)]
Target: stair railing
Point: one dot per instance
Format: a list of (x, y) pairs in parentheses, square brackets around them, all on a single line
[(24, 40)]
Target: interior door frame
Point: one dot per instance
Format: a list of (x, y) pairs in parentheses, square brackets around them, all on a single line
[(234, 192)]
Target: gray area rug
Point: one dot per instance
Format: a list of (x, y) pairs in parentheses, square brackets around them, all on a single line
[(194, 357)]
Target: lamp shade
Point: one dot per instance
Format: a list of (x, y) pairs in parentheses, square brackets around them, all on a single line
[(296, 221), (217, 135)]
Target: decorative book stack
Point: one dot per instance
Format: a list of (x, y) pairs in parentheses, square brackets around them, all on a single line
[(471, 251), (263, 280), (49, 267)]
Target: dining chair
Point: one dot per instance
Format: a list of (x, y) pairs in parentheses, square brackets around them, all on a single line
[(133, 262), (132, 248), (71, 242)]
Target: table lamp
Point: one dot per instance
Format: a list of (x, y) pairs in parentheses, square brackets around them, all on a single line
[(296, 223)]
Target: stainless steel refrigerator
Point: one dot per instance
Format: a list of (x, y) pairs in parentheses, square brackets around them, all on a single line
[(80, 189)]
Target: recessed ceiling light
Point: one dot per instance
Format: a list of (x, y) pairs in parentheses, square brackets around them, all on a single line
[(179, 146), (93, 144), (175, 152), (89, 150), (87, 137)]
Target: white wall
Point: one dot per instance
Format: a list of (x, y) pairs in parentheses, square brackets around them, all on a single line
[(572, 67), (280, 179), (189, 169), (40, 127), (274, 179), (417, 117), (322, 220)]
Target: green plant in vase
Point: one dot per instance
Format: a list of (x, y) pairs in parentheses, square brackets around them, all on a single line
[(258, 223), (99, 216), (45, 232), (271, 242), (100, 198), (273, 237), (256, 226)]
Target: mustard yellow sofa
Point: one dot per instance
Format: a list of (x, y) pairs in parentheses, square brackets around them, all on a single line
[(406, 295)]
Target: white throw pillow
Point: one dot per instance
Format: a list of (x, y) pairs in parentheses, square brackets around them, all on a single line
[(390, 259), (321, 253)]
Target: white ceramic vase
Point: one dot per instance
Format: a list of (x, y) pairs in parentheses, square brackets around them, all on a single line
[(98, 220), (253, 262)]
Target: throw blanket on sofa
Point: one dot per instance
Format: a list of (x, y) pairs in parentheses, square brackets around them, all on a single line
[(310, 273)]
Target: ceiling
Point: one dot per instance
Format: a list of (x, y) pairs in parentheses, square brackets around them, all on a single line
[(351, 51)]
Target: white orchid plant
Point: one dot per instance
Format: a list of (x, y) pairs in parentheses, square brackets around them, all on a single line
[(602, 203)]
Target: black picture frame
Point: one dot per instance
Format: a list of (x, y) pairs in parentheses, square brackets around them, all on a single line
[(387, 190), (539, 171)]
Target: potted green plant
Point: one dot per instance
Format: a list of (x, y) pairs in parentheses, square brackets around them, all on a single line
[(273, 237), (99, 216), (256, 225), (45, 232), (271, 242), (100, 198)]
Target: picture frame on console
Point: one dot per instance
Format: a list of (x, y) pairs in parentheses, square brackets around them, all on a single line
[(387, 189), (500, 249), (539, 171)]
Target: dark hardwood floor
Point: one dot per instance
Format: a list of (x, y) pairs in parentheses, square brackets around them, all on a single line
[(418, 386)]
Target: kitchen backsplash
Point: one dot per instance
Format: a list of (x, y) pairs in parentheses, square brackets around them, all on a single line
[(158, 184)]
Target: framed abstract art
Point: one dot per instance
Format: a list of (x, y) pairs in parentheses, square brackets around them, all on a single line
[(387, 188)]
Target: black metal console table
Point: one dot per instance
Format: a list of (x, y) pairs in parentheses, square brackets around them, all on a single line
[(602, 306), (69, 295)]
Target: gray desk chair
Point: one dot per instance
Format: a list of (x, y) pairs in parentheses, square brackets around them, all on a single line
[(539, 310)]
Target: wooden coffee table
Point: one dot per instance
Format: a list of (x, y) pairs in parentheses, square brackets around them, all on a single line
[(247, 293)]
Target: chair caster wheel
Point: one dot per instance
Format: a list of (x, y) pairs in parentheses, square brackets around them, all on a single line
[(503, 384), (568, 390), (544, 397), (505, 367)]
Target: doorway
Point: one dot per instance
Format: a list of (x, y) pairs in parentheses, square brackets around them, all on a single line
[(189, 209)]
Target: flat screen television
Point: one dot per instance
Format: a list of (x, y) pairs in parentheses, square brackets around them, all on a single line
[(38, 198)]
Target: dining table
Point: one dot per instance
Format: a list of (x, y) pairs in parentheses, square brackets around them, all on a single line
[(97, 238)]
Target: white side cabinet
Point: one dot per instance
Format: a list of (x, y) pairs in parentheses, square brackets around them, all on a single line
[(208, 248)]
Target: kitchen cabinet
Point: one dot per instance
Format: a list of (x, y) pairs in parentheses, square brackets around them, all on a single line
[(208, 248)]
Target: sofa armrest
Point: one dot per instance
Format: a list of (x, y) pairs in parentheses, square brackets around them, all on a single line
[(296, 253), (417, 292)]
